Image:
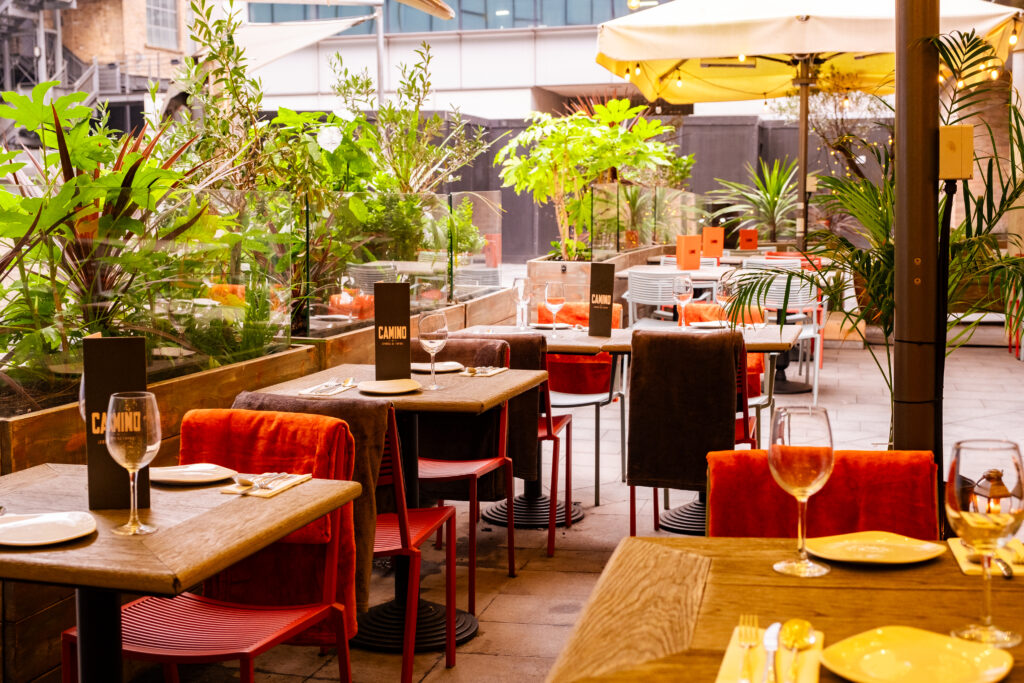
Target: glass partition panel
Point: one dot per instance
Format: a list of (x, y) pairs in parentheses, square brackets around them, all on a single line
[(476, 237), (204, 277)]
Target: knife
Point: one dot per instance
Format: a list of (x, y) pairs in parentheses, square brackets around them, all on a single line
[(771, 645)]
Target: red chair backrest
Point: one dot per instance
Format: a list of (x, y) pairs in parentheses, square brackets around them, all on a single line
[(255, 441), (867, 491), (390, 475), (576, 313)]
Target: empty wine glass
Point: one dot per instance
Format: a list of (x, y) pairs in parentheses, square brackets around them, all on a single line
[(180, 311), (725, 294), (433, 336), (521, 288), (554, 298), (985, 507), (133, 438), (682, 288), (800, 458)]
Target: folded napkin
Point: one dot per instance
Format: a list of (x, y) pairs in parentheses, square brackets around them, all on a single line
[(482, 372), (328, 388), (277, 486), (731, 669), (1009, 553)]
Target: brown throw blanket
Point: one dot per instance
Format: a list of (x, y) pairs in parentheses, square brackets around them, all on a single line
[(451, 436), (682, 404), (367, 422), (528, 352)]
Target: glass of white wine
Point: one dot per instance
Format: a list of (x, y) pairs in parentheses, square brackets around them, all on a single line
[(985, 507), (133, 438), (682, 289), (433, 333), (554, 298), (800, 459)]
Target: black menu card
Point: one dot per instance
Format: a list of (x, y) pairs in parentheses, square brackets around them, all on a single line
[(391, 330), (602, 283), (112, 364)]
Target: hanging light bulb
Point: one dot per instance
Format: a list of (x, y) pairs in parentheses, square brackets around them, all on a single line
[(1013, 36), (960, 84), (942, 79), (846, 101), (626, 74), (994, 74), (742, 58), (766, 104), (679, 81)]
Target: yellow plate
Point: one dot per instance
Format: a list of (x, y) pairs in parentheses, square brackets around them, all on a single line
[(874, 547), (902, 653), (389, 386)]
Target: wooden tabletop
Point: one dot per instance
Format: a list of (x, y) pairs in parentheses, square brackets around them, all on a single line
[(200, 530), (459, 394), (704, 274), (640, 578), (770, 338)]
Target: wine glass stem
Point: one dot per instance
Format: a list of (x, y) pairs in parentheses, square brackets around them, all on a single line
[(801, 527), (433, 380), (133, 518), (986, 574)]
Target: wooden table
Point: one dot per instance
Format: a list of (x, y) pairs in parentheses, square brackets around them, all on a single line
[(646, 621), (769, 339), (704, 276), (200, 531), (460, 394)]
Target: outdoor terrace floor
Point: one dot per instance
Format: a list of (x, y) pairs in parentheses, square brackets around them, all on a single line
[(525, 621)]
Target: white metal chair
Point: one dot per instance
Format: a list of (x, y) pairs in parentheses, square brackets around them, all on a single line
[(651, 289), (366, 274)]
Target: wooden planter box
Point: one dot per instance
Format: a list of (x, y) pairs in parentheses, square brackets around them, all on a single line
[(35, 615), (544, 269), (356, 346)]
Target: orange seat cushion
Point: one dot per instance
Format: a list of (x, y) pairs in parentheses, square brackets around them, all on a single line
[(351, 302), (701, 312), (868, 491), (573, 373)]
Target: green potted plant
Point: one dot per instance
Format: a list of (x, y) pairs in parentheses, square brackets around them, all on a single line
[(768, 203)]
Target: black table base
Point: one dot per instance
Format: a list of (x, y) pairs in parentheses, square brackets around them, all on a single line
[(382, 627), (783, 385), (99, 635), (688, 519), (531, 513)]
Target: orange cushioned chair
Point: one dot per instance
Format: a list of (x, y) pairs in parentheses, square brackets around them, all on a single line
[(700, 312), (868, 491), (191, 628), (576, 380)]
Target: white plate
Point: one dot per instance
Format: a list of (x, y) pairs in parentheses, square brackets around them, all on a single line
[(903, 653), (46, 528), (334, 318), (205, 302), (172, 352), (388, 387), (197, 473), (549, 326), (710, 324), (874, 547), (440, 366)]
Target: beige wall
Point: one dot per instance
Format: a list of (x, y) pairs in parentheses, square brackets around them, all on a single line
[(115, 31)]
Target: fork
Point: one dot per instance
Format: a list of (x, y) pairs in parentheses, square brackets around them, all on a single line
[(748, 639)]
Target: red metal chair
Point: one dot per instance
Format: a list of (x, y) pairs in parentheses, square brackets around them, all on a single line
[(471, 471), (868, 491), (195, 629), (402, 533), (548, 428)]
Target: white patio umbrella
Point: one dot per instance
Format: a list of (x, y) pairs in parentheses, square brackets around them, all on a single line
[(689, 51)]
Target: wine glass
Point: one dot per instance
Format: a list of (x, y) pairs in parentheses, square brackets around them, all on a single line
[(521, 288), (682, 288), (554, 298), (985, 507), (133, 438), (725, 294), (800, 459), (180, 311), (433, 336)]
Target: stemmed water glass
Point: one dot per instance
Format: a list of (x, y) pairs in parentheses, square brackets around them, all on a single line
[(554, 298), (800, 458), (433, 336), (985, 507), (725, 294), (521, 288), (132, 439), (682, 289)]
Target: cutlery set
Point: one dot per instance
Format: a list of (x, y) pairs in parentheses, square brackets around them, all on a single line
[(331, 386), (794, 636)]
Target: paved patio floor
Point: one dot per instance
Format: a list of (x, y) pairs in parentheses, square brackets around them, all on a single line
[(524, 621)]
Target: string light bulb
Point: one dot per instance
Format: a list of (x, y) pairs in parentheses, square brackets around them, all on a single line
[(679, 81), (942, 79), (766, 104), (846, 101), (626, 74), (960, 84), (742, 58), (1013, 36), (994, 74)]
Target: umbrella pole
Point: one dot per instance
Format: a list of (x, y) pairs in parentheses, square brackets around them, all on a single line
[(803, 81)]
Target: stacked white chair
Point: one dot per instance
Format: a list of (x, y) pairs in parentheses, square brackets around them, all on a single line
[(650, 289), (366, 274)]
